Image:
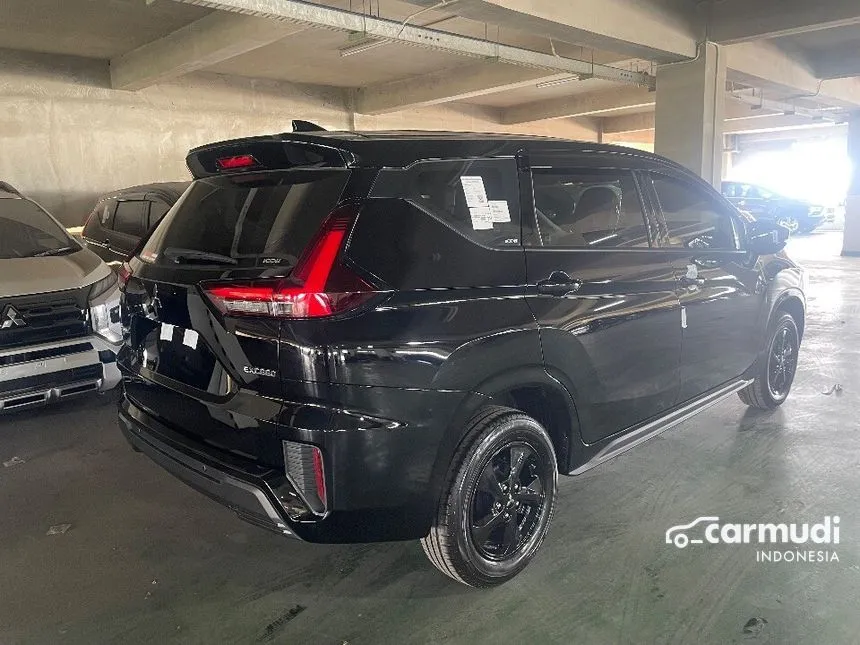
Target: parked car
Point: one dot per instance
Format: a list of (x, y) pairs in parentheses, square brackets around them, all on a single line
[(121, 218), (352, 337), (59, 310), (796, 215)]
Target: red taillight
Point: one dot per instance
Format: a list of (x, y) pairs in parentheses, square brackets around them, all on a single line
[(318, 287), (123, 274), (239, 161)]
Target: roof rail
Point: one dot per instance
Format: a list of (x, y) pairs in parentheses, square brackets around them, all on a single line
[(9, 188), (306, 126)]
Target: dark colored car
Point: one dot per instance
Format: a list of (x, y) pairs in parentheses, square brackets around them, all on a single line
[(121, 218), (351, 337), (796, 215)]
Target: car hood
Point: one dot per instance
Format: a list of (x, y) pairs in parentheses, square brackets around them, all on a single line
[(25, 276)]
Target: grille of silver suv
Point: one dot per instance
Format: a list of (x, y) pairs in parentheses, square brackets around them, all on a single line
[(43, 318)]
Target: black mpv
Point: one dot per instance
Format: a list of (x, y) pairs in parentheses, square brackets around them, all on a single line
[(351, 337)]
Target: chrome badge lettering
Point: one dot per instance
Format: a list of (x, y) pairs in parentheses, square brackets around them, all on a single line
[(259, 371)]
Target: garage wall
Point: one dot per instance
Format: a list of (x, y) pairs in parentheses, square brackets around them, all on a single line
[(66, 137)]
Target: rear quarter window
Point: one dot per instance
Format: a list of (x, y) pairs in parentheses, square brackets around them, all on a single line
[(477, 198)]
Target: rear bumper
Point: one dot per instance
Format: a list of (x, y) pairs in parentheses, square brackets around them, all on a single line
[(38, 374), (248, 494)]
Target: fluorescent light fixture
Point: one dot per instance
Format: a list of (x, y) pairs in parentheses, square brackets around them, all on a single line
[(365, 45), (558, 81)]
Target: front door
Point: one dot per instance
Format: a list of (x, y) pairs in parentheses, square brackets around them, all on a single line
[(721, 290), (604, 299)]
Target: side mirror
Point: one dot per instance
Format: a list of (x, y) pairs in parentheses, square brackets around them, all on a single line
[(766, 237)]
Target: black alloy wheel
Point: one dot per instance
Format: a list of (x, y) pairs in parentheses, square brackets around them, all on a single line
[(497, 501)]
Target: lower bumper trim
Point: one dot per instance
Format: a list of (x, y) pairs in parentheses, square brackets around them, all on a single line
[(248, 501)]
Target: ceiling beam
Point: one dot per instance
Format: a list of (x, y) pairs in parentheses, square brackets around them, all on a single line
[(739, 118), (446, 85), (632, 28), (838, 62), (737, 21), (205, 42), (765, 65), (580, 105), (316, 15)]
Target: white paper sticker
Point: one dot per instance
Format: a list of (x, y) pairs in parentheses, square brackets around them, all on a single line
[(499, 210), (473, 187), (166, 332), (190, 338), (482, 218)]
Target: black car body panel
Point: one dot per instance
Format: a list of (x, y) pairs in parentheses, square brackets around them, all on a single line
[(600, 336)]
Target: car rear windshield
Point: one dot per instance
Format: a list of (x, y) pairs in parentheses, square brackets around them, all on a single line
[(247, 218), (26, 231)]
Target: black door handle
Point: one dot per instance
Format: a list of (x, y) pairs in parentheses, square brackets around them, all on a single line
[(559, 283), (684, 281)]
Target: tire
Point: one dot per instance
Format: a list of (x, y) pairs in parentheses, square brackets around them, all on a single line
[(768, 391), (468, 539)]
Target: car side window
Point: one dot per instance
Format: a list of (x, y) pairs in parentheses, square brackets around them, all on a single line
[(157, 210), (131, 217), (589, 209), (694, 218), (478, 198)]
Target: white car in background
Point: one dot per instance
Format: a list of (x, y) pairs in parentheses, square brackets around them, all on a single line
[(60, 323)]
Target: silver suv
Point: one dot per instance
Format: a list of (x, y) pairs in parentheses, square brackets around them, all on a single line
[(59, 310)]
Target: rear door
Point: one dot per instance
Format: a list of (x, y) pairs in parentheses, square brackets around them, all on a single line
[(204, 372), (603, 296), (721, 291)]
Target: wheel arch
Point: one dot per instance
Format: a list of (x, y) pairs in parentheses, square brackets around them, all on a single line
[(529, 389)]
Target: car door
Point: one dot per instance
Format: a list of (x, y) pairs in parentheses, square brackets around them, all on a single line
[(604, 299), (721, 290), (130, 222)]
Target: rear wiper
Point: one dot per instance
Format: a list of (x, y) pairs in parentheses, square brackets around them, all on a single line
[(181, 256), (60, 251)]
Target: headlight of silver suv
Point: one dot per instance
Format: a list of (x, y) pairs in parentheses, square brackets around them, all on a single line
[(104, 309)]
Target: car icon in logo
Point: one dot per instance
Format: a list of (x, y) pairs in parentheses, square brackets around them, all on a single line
[(677, 534)]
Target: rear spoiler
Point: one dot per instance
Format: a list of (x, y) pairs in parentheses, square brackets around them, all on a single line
[(277, 152), (9, 188)]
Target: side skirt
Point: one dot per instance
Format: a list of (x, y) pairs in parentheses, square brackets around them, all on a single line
[(641, 434)]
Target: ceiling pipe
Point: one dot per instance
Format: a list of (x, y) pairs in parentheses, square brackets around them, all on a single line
[(315, 15)]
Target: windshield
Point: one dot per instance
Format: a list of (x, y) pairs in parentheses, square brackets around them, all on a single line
[(28, 231), (246, 220)]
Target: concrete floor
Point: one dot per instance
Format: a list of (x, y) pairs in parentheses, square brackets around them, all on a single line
[(149, 560)]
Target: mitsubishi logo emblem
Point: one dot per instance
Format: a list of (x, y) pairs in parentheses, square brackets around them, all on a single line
[(11, 318)]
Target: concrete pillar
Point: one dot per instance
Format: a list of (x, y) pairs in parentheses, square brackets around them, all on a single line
[(851, 237), (729, 153), (690, 109)]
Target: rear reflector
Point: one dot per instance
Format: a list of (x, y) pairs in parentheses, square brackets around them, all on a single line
[(303, 464), (318, 287), (240, 161)]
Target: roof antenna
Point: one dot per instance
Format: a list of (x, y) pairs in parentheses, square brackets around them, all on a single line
[(306, 126)]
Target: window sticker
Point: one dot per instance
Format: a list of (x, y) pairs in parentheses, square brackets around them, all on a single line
[(473, 187), (499, 211), (166, 332), (482, 218), (190, 338)]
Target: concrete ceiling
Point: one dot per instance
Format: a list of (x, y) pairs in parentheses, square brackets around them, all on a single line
[(629, 34), (90, 28)]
